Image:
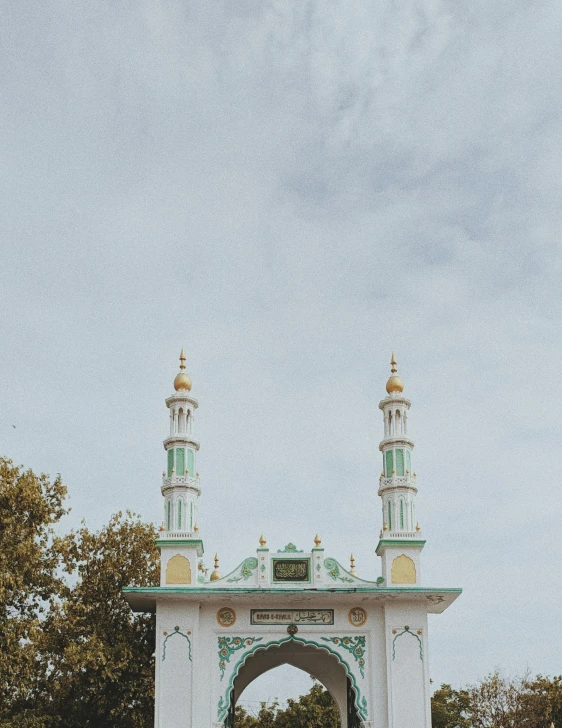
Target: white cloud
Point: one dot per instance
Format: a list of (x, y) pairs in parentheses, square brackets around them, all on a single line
[(292, 191)]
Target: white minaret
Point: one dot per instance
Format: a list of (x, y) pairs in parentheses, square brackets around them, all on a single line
[(180, 486), (398, 489)]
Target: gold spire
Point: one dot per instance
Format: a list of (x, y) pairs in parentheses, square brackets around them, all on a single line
[(317, 540), (262, 541), (216, 575), (352, 565), (182, 382), (394, 384)]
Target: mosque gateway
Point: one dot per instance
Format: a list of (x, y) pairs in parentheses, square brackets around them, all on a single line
[(365, 641)]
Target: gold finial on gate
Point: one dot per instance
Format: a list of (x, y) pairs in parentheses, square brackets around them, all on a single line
[(216, 575)]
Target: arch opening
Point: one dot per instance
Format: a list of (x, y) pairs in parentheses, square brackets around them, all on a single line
[(317, 662)]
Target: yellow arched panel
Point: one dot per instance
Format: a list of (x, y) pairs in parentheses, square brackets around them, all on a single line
[(403, 570), (178, 570)]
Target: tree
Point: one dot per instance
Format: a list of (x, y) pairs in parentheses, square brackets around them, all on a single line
[(317, 709), (101, 655), (500, 702), (449, 708), (30, 557), (541, 702)]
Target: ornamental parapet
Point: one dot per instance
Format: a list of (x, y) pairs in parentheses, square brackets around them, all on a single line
[(178, 534), (177, 480), (398, 481), (401, 535)]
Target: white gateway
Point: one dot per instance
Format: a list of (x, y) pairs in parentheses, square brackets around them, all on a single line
[(365, 641)]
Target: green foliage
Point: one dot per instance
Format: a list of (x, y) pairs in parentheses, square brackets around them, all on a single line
[(30, 558), (100, 653), (72, 652), (449, 708), (317, 709), (500, 702)]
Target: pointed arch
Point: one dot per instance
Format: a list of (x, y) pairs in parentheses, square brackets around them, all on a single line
[(227, 699)]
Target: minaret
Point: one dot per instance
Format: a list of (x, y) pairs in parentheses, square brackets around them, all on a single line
[(400, 543), (180, 487)]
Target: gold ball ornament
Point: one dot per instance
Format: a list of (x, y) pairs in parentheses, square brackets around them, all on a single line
[(394, 384)]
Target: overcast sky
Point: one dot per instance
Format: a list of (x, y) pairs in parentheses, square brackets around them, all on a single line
[(292, 190)]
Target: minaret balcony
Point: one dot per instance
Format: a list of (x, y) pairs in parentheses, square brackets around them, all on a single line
[(398, 481), (178, 480), (410, 535), (178, 534)]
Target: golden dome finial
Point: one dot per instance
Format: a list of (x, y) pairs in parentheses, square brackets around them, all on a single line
[(394, 384), (216, 575), (317, 540), (182, 382), (262, 541)]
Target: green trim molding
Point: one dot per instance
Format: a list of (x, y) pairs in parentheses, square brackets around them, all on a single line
[(399, 543), (149, 590), (196, 542)]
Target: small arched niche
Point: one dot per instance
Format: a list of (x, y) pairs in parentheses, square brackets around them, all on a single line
[(403, 570), (178, 570)]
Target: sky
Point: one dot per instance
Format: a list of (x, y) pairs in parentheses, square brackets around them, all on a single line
[(292, 191)]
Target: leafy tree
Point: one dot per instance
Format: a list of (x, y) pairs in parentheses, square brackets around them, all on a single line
[(30, 557), (449, 708), (500, 702), (541, 702), (100, 653), (317, 709)]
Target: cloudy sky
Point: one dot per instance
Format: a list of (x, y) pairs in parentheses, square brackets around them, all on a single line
[(291, 191)]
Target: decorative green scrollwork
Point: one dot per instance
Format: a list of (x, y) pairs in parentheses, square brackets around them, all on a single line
[(246, 569), (290, 548), (334, 571), (360, 700), (229, 645), (354, 645), (176, 631), (406, 630)]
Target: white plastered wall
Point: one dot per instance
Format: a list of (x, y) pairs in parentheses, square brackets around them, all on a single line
[(409, 701)]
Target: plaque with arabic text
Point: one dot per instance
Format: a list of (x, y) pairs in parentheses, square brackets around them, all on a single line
[(291, 569), (291, 616)]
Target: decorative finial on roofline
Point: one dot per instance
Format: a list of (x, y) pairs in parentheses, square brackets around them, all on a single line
[(182, 382), (394, 384)]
